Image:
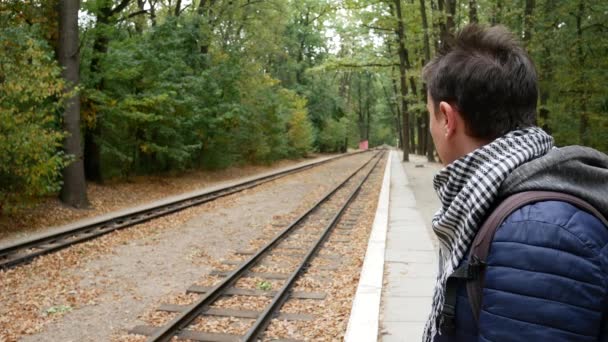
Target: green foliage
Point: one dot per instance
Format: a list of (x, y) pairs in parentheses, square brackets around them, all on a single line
[(300, 129), (145, 111), (58, 309), (30, 99), (165, 106), (246, 81), (333, 135), (264, 285), (255, 81), (569, 45)]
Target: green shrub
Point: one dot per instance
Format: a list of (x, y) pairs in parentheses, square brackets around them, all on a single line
[(333, 135), (31, 90), (300, 130)]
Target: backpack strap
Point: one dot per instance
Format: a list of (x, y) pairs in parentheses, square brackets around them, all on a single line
[(469, 270), (481, 244)]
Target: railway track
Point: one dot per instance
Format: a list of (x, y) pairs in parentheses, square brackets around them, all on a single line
[(303, 238), (26, 251)]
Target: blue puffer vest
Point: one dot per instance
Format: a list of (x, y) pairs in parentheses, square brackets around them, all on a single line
[(546, 280)]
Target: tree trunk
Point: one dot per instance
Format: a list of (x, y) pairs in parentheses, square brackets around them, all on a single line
[(546, 68), (74, 188), (140, 22), (92, 150), (361, 113), (473, 11), (447, 26), (402, 51), (368, 118), (412, 125), (204, 10), (394, 108), (423, 135), (430, 146), (425, 30), (528, 11), (435, 32), (415, 124), (544, 112), (497, 13), (368, 105), (413, 86), (421, 143), (443, 31), (450, 22), (178, 5), (584, 136), (153, 13), (428, 141), (399, 110)]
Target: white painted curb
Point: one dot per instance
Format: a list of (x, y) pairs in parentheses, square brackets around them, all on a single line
[(365, 313)]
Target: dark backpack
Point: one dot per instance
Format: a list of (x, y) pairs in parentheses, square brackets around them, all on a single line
[(473, 270)]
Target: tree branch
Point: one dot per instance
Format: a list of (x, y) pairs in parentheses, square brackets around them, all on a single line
[(253, 2), (121, 6), (137, 13), (599, 26), (367, 65), (184, 8), (379, 28), (323, 12)]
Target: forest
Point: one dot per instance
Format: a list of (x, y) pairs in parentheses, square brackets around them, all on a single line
[(94, 90)]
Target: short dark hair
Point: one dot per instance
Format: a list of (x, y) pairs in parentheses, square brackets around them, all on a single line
[(488, 75)]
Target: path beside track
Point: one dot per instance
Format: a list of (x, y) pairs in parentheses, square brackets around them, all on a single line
[(394, 294)]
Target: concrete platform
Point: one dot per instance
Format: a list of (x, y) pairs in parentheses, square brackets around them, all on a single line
[(397, 311)]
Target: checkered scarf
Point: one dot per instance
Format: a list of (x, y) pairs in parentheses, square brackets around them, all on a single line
[(467, 188)]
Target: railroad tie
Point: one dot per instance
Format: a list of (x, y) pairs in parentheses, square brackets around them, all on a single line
[(250, 292), (269, 276), (251, 314), (280, 276), (148, 330)]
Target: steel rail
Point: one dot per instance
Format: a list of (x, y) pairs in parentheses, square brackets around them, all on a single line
[(185, 318), (17, 253), (279, 299)]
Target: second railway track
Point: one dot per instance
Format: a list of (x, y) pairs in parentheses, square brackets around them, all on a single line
[(303, 238), (25, 251)]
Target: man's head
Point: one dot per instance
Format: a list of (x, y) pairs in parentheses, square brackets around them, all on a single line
[(481, 85)]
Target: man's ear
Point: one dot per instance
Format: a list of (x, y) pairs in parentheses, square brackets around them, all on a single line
[(448, 115)]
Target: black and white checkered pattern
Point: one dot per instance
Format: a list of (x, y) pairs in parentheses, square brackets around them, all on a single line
[(467, 188)]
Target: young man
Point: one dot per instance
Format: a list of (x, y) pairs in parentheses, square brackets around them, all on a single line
[(546, 274)]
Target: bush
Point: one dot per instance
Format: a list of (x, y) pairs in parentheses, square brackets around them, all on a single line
[(300, 130), (31, 90), (333, 135)]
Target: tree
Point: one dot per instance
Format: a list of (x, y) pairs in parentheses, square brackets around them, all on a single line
[(167, 86), (427, 57), (473, 11), (103, 24), (403, 66), (74, 189), (31, 94), (300, 129)]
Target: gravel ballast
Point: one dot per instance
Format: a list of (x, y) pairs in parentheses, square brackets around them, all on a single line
[(97, 290), (326, 318)]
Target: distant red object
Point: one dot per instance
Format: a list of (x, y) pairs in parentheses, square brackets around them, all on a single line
[(363, 145)]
